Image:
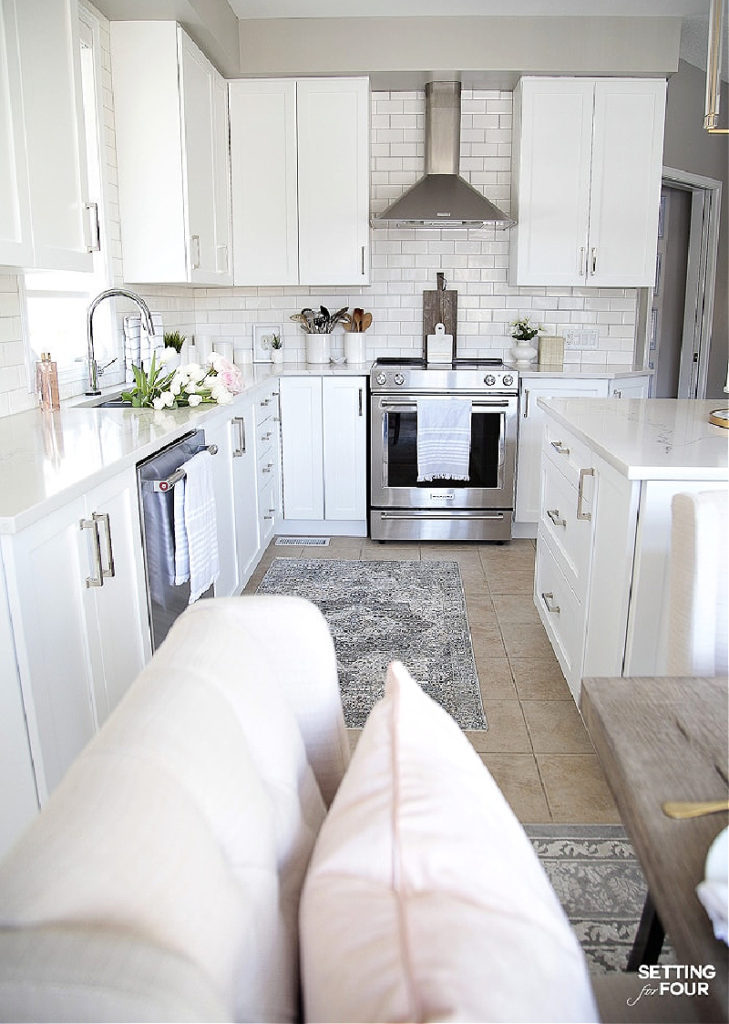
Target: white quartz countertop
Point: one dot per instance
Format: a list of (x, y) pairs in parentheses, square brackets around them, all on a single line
[(49, 458), (648, 438), (610, 371)]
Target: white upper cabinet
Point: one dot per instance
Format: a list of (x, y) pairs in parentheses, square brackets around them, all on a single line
[(172, 149), (586, 184), (44, 215), (300, 173), (16, 241), (265, 214)]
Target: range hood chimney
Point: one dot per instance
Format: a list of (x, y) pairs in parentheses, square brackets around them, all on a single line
[(442, 198)]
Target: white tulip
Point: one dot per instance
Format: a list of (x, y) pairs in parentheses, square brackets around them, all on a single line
[(167, 355), (194, 400)]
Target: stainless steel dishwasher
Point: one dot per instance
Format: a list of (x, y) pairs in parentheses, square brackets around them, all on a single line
[(156, 480)]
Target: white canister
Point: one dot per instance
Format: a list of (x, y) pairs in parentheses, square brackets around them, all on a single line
[(317, 348), (225, 349), (354, 347), (203, 348), (242, 356)]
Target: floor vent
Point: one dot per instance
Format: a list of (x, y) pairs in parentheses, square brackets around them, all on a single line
[(304, 542)]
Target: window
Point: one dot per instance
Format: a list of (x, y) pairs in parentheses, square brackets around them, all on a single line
[(56, 301)]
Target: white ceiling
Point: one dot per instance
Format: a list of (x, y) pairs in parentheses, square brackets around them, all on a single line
[(694, 32)]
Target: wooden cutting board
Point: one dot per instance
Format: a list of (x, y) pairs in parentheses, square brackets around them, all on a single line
[(440, 307)]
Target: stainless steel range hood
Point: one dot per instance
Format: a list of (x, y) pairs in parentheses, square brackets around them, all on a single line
[(442, 198)]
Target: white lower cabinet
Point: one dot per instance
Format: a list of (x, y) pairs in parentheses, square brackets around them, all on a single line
[(531, 427), (601, 577), (77, 602), (234, 476), (268, 461), (630, 387), (324, 450)]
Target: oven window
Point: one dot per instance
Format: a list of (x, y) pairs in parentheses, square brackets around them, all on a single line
[(483, 468)]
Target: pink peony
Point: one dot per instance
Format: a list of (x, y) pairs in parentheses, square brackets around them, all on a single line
[(230, 376)]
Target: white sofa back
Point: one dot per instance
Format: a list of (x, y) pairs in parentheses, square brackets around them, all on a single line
[(162, 879)]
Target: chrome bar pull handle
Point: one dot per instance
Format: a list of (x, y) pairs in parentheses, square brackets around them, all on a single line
[(581, 268), (97, 580), (553, 514), (195, 243), (593, 261), (360, 402), (526, 402), (103, 517), (362, 257), (95, 244), (559, 448), (581, 494), (241, 449), (548, 599)]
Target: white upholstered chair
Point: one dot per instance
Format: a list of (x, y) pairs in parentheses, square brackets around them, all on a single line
[(698, 579)]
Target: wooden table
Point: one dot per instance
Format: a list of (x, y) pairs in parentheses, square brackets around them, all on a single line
[(667, 739)]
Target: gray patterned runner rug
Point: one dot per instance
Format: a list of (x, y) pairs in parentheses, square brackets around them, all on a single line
[(597, 877), (379, 611)]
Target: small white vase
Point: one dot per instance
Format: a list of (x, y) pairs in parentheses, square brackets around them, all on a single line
[(277, 355), (523, 351), (354, 347)]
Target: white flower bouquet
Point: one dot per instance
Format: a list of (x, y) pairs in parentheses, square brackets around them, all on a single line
[(188, 385)]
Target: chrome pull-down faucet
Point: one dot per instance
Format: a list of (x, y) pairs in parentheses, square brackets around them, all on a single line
[(92, 382)]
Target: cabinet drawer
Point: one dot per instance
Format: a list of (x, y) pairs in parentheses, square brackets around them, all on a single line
[(560, 611), (266, 406), (570, 536), (567, 454)]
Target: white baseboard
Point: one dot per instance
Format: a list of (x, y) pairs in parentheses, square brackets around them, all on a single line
[(323, 527), (521, 531)]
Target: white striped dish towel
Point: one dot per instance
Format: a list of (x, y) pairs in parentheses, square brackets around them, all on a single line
[(444, 438), (200, 524), (138, 345)]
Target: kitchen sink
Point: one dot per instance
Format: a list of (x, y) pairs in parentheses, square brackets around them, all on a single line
[(112, 400)]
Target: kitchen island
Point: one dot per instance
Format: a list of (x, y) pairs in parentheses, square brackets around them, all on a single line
[(609, 472)]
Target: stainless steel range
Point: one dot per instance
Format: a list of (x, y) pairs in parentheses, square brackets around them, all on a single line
[(479, 508)]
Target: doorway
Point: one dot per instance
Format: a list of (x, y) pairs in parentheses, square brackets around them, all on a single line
[(677, 312)]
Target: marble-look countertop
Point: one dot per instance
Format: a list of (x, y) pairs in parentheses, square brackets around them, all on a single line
[(610, 371), (648, 438), (48, 459)]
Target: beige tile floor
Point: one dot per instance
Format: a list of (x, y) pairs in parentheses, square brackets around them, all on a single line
[(536, 746)]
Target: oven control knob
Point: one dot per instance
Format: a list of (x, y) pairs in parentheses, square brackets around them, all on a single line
[(508, 380), (489, 379), (381, 379), (399, 379)]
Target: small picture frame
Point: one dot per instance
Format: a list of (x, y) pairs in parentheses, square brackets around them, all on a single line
[(262, 335)]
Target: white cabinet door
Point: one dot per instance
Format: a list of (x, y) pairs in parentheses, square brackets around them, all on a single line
[(79, 612), (117, 611), (345, 448), (54, 134), (46, 567), (586, 185), (16, 242), (531, 426), (630, 387), (301, 444), (19, 803), (627, 159), (551, 182), (333, 147), (245, 491), (300, 173), (222, 434), (263, 174), (172, 155)]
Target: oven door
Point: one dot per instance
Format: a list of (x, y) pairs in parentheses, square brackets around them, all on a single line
[(394, 461)]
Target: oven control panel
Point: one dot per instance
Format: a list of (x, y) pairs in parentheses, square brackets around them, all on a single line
[(440, 379)]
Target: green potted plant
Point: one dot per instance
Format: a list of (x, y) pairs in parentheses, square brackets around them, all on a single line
[(276, 349), (522, 332)]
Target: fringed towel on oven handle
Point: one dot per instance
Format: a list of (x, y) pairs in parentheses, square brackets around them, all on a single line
[(444, 438), (196, 536)]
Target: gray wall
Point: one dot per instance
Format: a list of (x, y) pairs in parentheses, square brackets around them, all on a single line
[(688, 147)]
